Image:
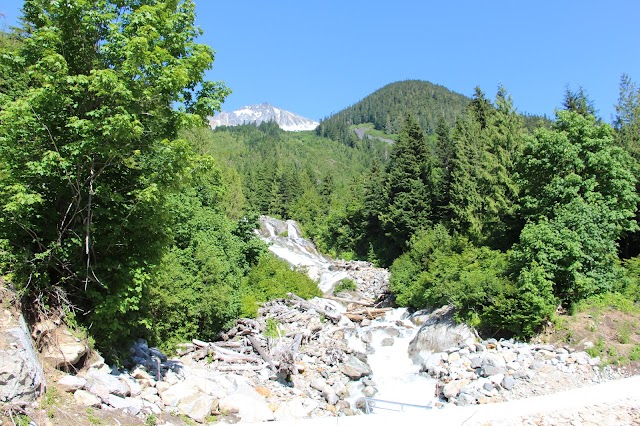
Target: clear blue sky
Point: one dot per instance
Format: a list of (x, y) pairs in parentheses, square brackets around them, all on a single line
[(318, 57)]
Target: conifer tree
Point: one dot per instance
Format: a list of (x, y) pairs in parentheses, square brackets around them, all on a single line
[(410, 185)]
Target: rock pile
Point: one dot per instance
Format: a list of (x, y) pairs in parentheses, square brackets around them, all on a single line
[(493, 371), (298, 365)]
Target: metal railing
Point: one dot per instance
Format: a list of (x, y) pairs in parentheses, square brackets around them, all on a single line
[(371, 403)]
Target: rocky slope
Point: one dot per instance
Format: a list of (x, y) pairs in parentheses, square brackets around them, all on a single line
[(262, 113)]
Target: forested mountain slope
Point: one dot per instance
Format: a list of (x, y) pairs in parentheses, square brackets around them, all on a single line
[(387, 107)]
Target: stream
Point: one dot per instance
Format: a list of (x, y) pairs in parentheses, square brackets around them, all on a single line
[(385, 340)]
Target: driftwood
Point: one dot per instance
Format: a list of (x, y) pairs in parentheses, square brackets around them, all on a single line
[(369, 313), (306, 305), (258, 347), (348, 301)]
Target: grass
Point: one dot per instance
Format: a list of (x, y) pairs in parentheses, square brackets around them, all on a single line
[(91, 416)]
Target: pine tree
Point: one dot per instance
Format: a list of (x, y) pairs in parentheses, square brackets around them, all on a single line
[(410, 184)]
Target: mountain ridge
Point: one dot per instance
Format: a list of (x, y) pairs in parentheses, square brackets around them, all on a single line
[(261, 113)]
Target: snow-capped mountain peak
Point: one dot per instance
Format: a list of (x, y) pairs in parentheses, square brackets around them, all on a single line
[(260, 113)]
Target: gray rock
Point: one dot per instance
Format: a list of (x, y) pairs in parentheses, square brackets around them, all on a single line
[(508, 382), (438, 333), (197, 407), (354, 368), (466, 399), (176, 393), (452, 389), (21, 374), (131, 405), (86, 398), (476, 362), (494, 360), (490, 370), (99, 382), (369, 391), (387, 341), (71, 383)]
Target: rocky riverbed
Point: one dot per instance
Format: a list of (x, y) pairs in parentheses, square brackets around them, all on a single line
[(329, 357)]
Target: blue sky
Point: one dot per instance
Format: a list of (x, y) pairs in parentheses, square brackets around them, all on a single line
[(318, 57)]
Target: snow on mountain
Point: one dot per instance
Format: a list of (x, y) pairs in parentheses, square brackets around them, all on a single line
[(256, 114)]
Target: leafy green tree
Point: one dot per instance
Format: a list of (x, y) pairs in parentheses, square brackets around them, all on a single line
[(90, 151), (441, 269), (578, 197)]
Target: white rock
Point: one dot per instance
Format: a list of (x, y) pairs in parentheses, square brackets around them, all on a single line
[(71, 383), (248, 409), (99, 382), (452, 389), (197, 407), (173, 395), (86, 398)]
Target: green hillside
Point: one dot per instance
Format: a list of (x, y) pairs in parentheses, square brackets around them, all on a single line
[(387, 108)]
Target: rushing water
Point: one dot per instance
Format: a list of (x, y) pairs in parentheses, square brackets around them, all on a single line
[(395, 377)]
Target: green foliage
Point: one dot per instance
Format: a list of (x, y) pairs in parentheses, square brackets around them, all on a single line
[(410, 179), (272, 278), (441, 269), (523, 308), (606, 301), (578, 197), (482, 192), (89, 148), (197, 285), (598, 349), (272, 329), (387, 107), (345, 284), (634, 355)]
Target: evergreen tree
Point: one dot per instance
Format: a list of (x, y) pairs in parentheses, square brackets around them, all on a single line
[(410, 184)]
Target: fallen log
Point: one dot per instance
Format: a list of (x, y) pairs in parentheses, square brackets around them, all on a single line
[(345, 300), (308, 306), (265, 356)]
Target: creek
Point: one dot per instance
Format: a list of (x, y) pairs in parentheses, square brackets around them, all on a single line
[(385, 340)]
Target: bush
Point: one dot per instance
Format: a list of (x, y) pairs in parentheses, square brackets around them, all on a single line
[(440, 269), (345, 284), (273, 278)]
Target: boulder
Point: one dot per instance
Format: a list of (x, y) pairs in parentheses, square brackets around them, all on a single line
[(452, 389), (61, 349), (21, 374), (508, 382), (85, 398), (101, 384), (176, 393), (438, 333), (197, 407), (354, 368), (71, 383), (295, 409)]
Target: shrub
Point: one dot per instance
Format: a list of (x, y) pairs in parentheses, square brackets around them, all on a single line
[(345, 284), (273, 278)]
